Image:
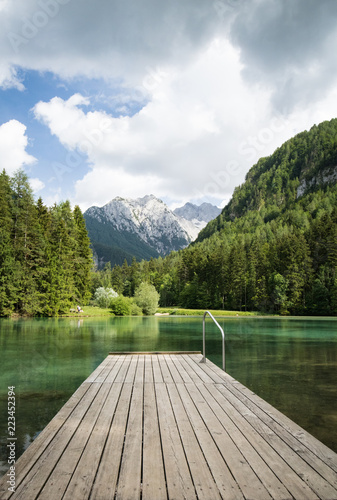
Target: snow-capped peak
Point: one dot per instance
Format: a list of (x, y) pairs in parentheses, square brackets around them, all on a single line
[(151, 220)]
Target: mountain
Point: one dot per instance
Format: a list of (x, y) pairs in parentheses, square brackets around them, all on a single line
[(283, 183), (273, 248), (141, 228), (199, 215)]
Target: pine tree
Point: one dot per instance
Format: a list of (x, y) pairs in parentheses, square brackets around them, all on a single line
[(48, 271), (83, 262), (63, 244), (7, 262), (295, 266), (25, 235), (117, 279), (238, 277)]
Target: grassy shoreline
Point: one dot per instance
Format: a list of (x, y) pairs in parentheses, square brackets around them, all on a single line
[(177, 311), (92, 311), (89, 312)]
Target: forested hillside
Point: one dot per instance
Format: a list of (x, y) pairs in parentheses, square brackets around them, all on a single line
[(274, 246), (45, 258)]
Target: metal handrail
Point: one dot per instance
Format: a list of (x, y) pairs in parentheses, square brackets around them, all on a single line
[(204, 339)]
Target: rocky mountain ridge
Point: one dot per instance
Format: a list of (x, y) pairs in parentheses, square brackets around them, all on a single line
[(199, 215), (144, 227)]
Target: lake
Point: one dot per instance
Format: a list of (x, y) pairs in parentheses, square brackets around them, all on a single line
[(289, 362)]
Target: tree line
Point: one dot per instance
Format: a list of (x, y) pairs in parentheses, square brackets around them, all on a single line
[(279, 269), (45, 255)]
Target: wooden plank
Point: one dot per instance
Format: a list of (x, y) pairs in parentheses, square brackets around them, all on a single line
[(309, 476), (157, 375), (129, 481), (315, 453), (197, 369), (211, 369), (309, 442), (173, 369), (185, 368), (154, 485), (253, 413), (104, 486), (130, 375), (166, 374), (117, 370), (120, 377), (83, 478), (139, 375), (148, 373), (106, 362), (151, 353), (253, 447), (276, 435), (224, 431), (223, 478), (39, 473), (180, 368), (179, 482), (204, 483), (60, 477), (39, 445), (197, 359)]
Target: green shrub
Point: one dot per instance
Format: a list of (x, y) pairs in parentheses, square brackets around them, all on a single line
[(147, 298), (121, 306), (136, 310)]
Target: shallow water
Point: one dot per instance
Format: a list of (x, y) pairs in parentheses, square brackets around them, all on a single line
[(291, 363)]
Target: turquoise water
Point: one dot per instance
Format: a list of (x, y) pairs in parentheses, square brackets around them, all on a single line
[(291, 363)]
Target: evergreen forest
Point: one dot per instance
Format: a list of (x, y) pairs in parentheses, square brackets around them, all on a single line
[(45, 255), (272, 249)]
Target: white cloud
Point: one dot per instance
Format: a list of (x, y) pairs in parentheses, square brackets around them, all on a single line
[(4, 4), (284, 44), (13, 143), (9, 78), (64, 118), (209, 76), (102, 184), (36, 185), (287, 45), (181, 145), (203, 128), (224, 202), (54, 196), (122, 39)]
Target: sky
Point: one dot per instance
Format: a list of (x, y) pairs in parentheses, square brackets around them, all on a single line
[(176, 98)]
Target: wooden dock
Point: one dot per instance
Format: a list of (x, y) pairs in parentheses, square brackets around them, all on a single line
[(165, 426)]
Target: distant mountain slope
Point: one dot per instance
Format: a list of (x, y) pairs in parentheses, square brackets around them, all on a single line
[(112, 245), (142, 228), (199, 215), (301, 166)]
